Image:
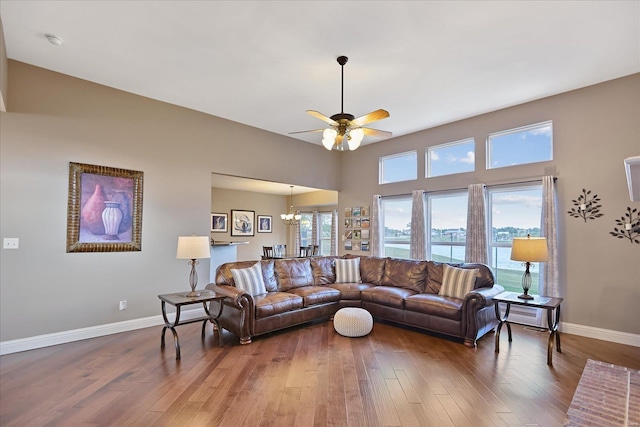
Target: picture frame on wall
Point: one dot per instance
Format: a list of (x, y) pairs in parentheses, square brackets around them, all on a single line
[(219, 222), (264, 223), (242, 222), (104, 209)]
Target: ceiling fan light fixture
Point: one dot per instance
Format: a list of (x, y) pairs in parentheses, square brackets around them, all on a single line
[(355, 138), (329, 138)]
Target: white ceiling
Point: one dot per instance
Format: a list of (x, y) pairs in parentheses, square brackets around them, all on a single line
[(263, 63)]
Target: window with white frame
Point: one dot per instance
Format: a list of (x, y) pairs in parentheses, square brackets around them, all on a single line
[(305, 228), (514, 211), (527, 144), (325, 224), (396, 217), (447, 225), (398, 167), (451, 158)]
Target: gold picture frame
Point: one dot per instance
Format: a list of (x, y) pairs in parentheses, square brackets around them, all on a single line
[(104, 209)]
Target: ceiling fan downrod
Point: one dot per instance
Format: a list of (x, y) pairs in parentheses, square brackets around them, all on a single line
[(345, 117)]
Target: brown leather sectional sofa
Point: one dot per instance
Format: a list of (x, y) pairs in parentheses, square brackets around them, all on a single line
[(397, 290)]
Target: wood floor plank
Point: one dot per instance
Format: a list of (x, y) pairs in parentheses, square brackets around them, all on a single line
[(303, 376)]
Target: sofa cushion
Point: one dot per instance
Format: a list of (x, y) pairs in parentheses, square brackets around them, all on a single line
[(273, 303), (350, 291), (312, 295), (224, 276), (249, 279), (371, 268), (457, 282), (435, 305), (323, 270), (348, 270), (387, 295), (293, 273), (403, 273)]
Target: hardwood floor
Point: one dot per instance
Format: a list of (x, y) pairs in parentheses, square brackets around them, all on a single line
[(305, 376)]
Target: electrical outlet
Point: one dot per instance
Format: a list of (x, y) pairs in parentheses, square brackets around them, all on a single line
[(10, 243), (123, 305)]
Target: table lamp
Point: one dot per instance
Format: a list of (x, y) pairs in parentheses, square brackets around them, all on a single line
[(193, 248), (529, 249)]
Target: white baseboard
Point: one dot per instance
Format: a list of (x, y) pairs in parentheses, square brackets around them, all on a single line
[(24, 344), (39, 341)]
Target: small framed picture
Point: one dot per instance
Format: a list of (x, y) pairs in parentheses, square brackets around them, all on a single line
[(219, 222), (355, 211), (347, 212), (264, 223), (242, 223)]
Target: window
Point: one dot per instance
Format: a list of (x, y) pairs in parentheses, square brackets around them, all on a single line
[(396, 217), (529, 144), (447, 222), (513, 212), (325, 233), (398, 167), (305, 228), (450, 158)]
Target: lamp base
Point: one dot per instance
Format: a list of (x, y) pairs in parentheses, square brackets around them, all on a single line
[(525, 296), (193, 294)]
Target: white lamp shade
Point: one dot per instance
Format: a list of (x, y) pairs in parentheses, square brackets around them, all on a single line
[(193, 247), (355, 138), (529, 249), (329, 138)]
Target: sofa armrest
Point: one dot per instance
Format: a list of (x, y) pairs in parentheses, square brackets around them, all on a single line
[(483, 297), (235, 297)]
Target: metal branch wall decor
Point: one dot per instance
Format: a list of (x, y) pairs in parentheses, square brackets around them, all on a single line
[(587, 206), (629, 225)]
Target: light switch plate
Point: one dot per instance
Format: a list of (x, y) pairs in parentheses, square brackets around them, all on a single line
[(10, 243)]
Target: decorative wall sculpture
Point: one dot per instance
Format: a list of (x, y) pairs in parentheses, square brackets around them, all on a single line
[(587, 206), (629, 225)]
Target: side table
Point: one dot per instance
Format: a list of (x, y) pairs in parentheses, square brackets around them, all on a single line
[(547, 303), (178, 300)]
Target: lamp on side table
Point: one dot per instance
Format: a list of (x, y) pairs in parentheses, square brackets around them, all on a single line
[(193, 248), (528, 250)]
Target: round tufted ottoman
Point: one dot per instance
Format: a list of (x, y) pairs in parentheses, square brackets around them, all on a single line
[(352, 322)]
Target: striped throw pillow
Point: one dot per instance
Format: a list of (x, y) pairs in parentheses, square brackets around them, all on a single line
[(250, 279), (457, 282), (348, 270)]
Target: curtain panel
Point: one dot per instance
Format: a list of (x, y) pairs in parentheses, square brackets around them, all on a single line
[(477, 247), (418, 244), (549, 283), (377, 227)]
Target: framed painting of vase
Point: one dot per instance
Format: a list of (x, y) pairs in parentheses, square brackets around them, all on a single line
[(104, 209), (242, 223)]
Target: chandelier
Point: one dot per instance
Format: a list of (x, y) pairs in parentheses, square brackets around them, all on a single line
[(291, 218)]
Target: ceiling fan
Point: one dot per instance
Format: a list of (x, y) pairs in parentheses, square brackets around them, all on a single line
[(346, 131)]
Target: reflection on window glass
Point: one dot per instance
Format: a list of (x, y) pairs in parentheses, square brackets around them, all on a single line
[(513, 212), (529, 144), (396, 217), (454, 157), (398, 167)]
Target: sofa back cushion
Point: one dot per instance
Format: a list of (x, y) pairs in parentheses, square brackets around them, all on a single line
[(348, 270), (225, 277), (293, 273), (407, 274), (457, 282), (250, 279), (323, 270), (371, 268), (435, 272)]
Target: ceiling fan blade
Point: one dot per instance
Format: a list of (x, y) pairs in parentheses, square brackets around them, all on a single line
[(371, 117), (377, 133), (305, 131), (322, 117)]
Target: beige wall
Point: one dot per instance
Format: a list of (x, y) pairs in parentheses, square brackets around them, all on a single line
[(55, 119), (595, 128)]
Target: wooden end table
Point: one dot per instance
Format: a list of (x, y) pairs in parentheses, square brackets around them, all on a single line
[(178, 300), (547, 303)]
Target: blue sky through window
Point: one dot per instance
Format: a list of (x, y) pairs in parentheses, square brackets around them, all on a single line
[(447, 159), (527, 145)]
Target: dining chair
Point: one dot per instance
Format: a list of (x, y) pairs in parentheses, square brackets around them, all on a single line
[(305, 251), (315, 249), (267, 252)]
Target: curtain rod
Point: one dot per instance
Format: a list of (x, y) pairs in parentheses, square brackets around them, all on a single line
[(555, 178)]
